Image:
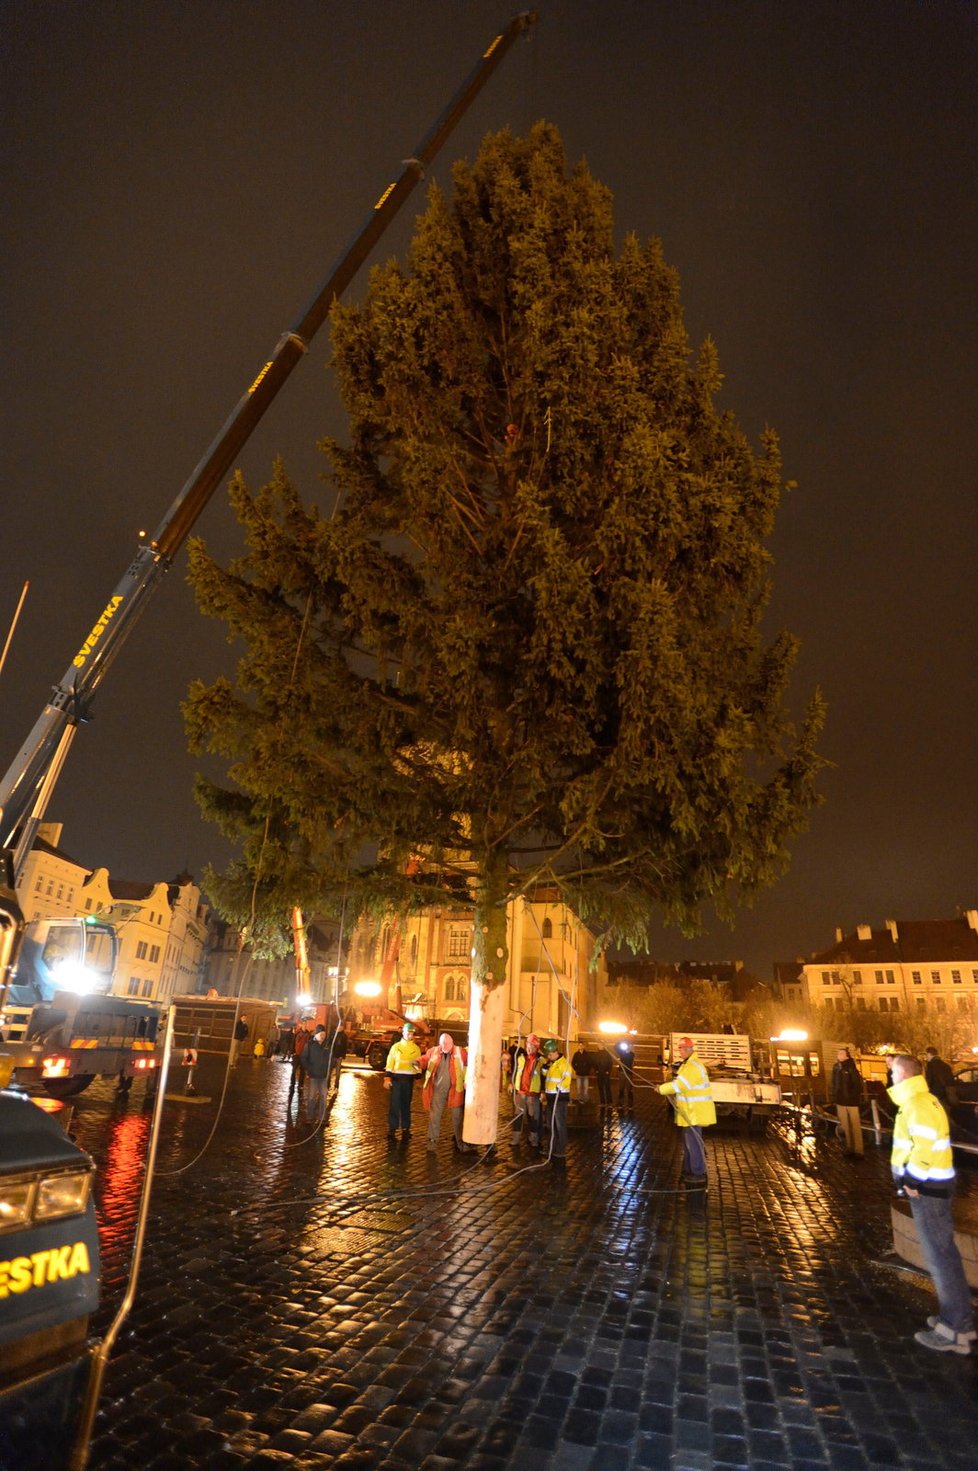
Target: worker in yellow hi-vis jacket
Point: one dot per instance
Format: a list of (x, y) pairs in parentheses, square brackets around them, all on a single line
[(694, 1110)]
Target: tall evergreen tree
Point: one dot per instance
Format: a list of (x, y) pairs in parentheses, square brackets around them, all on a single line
[(527, 645)]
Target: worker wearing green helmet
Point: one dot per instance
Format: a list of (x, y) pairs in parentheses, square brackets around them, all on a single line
[(558, 1076)]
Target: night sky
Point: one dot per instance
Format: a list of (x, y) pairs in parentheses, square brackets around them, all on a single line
[(178, 177)]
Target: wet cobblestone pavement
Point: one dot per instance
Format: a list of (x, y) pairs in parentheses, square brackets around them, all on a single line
[(335, 1301)]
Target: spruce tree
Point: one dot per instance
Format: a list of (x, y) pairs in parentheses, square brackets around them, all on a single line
[(526, 643)]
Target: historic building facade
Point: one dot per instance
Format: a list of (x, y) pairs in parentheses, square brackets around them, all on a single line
[(160, 927), (423, 965), (906, 966)]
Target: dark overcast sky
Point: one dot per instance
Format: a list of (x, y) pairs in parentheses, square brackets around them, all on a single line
[(178, 177)]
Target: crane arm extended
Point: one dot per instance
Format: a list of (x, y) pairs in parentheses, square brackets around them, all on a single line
[(27, 784)]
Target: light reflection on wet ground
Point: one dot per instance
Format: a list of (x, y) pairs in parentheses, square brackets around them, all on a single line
[(304, 1284)]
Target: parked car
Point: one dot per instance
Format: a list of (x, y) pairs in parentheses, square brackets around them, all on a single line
[(964, 1108), (966, 1084)]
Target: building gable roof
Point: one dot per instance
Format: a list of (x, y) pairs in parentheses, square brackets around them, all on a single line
[(918, 941)]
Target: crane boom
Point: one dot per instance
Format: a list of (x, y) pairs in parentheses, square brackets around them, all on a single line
[(27, 784)]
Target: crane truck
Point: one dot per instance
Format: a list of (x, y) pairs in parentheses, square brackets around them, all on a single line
[(57, 1219), (26, 787)]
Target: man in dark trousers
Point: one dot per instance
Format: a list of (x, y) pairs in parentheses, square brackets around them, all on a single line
[(338, 1050), (302, 1034), (938, 1076), (316, 1063), (847, 1092), (602, 1073), (923, 1171), (626, 1075)]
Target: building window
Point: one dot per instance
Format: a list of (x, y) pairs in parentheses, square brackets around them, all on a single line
[(955, 978), (921, 1003), (857, 978), (915, 977), (459, 941), (547, 930), (147, 988), (941, 1004), (826, 978), (860, 1003), (154, 954), (879, 978), (461, 992), (141, 950), (37, 886), (450, 989), (890, 978), (133, 985), (974, 976), (935, 976)]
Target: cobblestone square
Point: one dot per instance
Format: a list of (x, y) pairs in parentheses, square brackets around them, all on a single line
[(330, 1300)]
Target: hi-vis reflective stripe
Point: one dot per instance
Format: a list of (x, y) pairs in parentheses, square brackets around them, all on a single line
[(59, 1264), (925, 1132)]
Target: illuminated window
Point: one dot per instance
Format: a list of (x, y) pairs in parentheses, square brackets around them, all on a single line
[(459, 940)]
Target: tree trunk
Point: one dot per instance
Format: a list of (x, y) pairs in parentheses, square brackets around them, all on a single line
[(486, 1007)]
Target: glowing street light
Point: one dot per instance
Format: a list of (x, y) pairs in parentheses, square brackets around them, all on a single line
[(367, 988), (612, 1029)]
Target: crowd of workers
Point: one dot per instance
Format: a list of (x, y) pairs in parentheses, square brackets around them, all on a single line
[(542, 1081)]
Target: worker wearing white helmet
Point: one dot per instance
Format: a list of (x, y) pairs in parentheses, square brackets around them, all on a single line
[(527, 1091), (694, 1110), (443, 1070)]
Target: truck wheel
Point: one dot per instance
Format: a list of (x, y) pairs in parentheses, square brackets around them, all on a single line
[(377, 1056), (65, 1087)]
